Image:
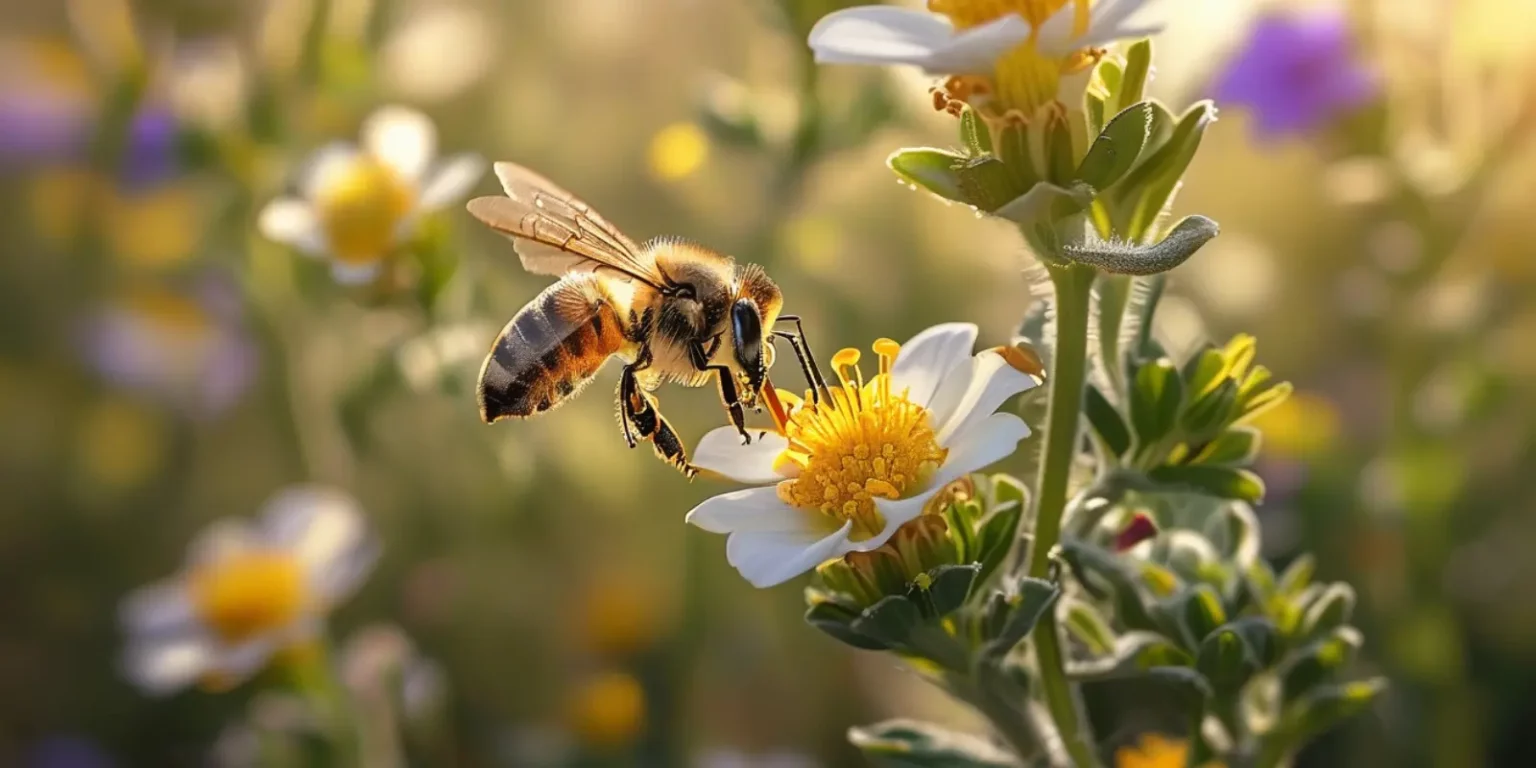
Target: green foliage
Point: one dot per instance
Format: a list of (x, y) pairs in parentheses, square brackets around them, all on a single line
[(912, 744)]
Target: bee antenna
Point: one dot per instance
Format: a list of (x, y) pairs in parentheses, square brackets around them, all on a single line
[(802, 348)]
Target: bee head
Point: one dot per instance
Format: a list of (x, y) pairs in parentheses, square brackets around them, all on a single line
[(747, 334)]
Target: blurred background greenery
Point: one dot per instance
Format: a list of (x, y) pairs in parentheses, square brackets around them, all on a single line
[(163, 365)]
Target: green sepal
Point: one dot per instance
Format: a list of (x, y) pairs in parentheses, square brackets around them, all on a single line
[(1116, 149), (1231, 655), (1221, 482), (1211, 413), (1155, 398), (1236, 447), (1135, 653), (1330, 610), (836, 619), (1197, 612), (1107, 423), (974, 132), (986, 183), (891, 621), (1103, 575), (913, 744), (935, 170), (1133, 80), (1316, 663), (1147, 189), (947, 590), (1323, 708), (1016, 616), (996, 537), (1088, 626)]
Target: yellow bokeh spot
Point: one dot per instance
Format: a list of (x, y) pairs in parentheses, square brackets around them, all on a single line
[(249, 593), (360, 208), (1299, 426), (60, 199), (677, 151), (859, 443), (122, 444), (154, 229), (176, 317), (619, 614), (609, 710), (1153, 750)]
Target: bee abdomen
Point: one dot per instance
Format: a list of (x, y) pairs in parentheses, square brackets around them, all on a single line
[(550, 350)]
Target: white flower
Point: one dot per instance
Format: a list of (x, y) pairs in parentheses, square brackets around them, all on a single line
[(247, 592), (355, 204), (1021, 49), (847, 472)]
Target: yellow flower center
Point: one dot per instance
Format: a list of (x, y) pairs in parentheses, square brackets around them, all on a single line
[(1024, 79), (859, 442), (246, 594), (360, 209)]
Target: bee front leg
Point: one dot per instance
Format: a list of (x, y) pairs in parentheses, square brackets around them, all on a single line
[(638, 409), (729, 395)]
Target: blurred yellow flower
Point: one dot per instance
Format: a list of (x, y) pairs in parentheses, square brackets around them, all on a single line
[(122, 443), (609, 710), (159, 228), (677, 151), (248, 593), (1154, 751), (619, 614), (1302, 425)]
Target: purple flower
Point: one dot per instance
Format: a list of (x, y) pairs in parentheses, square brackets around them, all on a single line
[(190, 350), (1297, 72), (67, 752)]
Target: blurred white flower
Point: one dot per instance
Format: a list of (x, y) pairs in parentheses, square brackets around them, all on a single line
[(852, 468), (247, 592), (356, 204)]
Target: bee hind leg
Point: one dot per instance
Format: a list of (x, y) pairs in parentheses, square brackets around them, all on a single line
[(637, 409)]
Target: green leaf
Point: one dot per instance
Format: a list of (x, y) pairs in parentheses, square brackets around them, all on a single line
[(1319, 661), (1107, 424), (1236, 447), (1201, 612), (935, 170), (1204, 371), (913, 744), (1230, 656), (1298, 574), (1155, 398), (1085, 623), (1031, 599), (948, 587), (836, 620), (1207, 416), (1133, 83), (1038, 204), (1102, 574), (1221, 482), (1130, 257), (1326, 707), (891, 621), (1115, 150), (1135, 653), (986, 183)]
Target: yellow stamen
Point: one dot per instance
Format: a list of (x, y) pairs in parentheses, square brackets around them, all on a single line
[(244, 595), (360, 209), (860, 442), (1024, 79)]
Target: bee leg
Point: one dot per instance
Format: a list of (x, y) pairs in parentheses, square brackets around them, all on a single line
[(638, 408), (625, 423), (802, 347), (729, 395)]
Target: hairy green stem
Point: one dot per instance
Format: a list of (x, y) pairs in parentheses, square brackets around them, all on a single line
[(1069, 367)]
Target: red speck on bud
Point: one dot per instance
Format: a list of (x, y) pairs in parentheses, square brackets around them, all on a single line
[(1135, 532)]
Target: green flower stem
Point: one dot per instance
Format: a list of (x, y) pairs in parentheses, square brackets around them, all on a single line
[(1069, 367)]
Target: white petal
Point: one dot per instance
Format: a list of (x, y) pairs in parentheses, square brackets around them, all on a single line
[(164, 667), (451, 180), (1108, 23), (768, 558), (976, 50), (356, 274), (327, 531), (990, 440), (324, 167), (238, 663), (292, 222), (158, 610), (221, 539), (992, 381), (925, 360), (875, 34), (720, 451), (402, 138), (749, 509)]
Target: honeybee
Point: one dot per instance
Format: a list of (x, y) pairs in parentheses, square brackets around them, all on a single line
[(671, 310)]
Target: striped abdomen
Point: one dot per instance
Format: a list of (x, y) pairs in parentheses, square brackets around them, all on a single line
[(551, 349)]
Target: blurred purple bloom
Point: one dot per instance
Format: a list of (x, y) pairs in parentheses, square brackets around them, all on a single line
[(190, 350), (67, 752), (36, 130), (1296, 72), (150, 156)]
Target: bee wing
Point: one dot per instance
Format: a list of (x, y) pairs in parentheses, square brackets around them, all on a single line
[(557, 233)]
